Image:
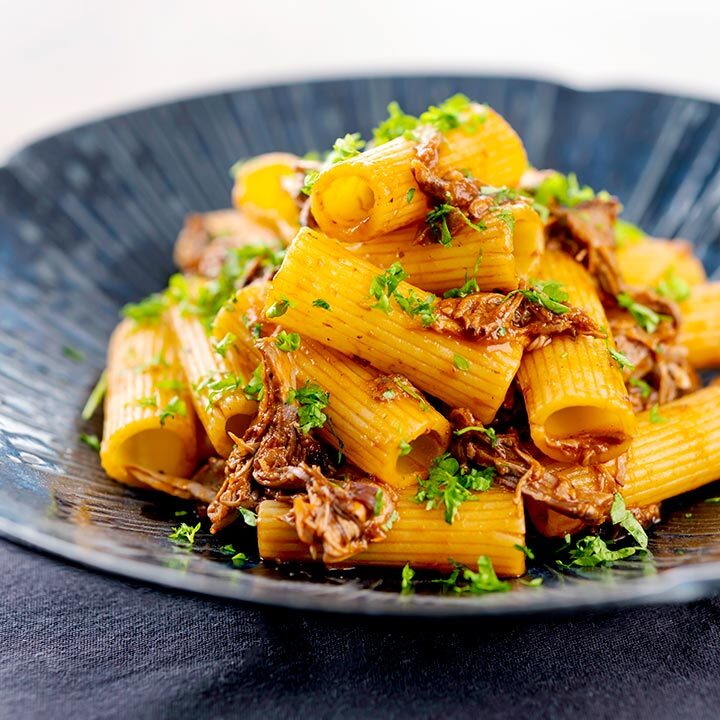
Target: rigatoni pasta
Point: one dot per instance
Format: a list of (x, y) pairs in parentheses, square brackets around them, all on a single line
[(456, 371), (149, 420), (450, 343)]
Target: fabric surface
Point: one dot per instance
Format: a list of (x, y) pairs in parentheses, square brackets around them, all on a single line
[(79, 644)]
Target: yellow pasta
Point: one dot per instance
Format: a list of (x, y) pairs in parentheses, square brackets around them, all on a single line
[(375, 192), (460, 372), (265, 189), (493, 524), (216, 378), (149, 420), (645, 264), (574, 389), (700, 329), (496, 257), (394, 437)]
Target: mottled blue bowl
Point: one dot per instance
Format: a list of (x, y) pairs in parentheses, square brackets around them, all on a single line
[(87, 222)]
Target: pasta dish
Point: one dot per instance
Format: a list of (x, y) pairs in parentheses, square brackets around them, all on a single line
[(417, 351)]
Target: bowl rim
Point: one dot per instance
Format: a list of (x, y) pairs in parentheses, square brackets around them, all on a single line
[(672, 585)]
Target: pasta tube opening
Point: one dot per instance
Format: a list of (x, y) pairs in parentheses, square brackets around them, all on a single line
[(423, 450), (349, 199), (154, 449)]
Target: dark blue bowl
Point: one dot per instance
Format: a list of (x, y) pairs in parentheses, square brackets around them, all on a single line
[(87, 221)]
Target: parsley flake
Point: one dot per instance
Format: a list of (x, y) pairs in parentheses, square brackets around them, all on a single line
[(184, 534), (550, 294), (655, 416), (620, 515), (461, 363), (73, 354), (644, 316), (449, 485), (397, 124), (222, 346), (147, 311), (174, 407), (310, 400), (674, 287), (529, 554), (406, 584), (279, 307), (95, 398), (255, 387), (464, 580), (91, 441), (287, 342), (410, 195), (622, 360), (248, 516), (489, 432), (644, 387), (405, 448), (468, 288), (320, 303)]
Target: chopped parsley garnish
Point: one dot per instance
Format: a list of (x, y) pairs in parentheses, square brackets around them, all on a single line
[(320, 303), (184, 534), (248, 516), (154, 363), (379, 502), (406, 586), (174, 407), (223, 345), (171, 384), (287, 342), (468, 288), (500, 194), (622, 360), (227, 549), (674, 287), (406, 386), (279, 307), (507, 216), (415, 306), (217, 387), (644, 316), (148, 402), (73, 354), (95, 398), (207, 299), (383, 286), (389, 395), (149, 310), (397, 124), (489, 432), (405, 448), (464, 580), (91, 441), (644, 388), (529, 554), (627, 234), (449, 485), (621, 516), (437, 221), (255, 387), (311, 400), (562, 189), (309, 181), (655, 416), (532, 582), (550, 294), (592, 551), (455, 112), (239, 560), (410, 195), (345, 147), (712, 501), (461, 363)]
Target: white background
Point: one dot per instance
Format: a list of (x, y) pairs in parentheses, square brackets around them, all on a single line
[(65, 61)]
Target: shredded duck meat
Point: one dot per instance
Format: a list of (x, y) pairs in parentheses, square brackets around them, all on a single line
[(587, 232), (340, 519), (463, 193), (661, 370), (587, 497), (271, 448), (498, 318), (204, 241), (648, 515)]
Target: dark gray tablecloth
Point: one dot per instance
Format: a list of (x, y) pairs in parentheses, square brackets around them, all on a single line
[(78, 644)]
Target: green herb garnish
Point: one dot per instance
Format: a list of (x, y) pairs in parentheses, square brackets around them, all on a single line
[(655, 416), (464, 580), (620, 515), (644, 316), (674, 287), (311, 400), (405, 448), (644, 388), (95, 398), (174, 407), (320, 303), (449, 485), (91, 441), (406, 584), (287, 342), (279, 307), (550, 294), (248, 516), (184, 534), (147, 311), (223, 345), (73, 354)]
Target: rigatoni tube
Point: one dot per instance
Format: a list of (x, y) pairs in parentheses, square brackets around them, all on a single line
[(700, 329), (380, 427), (497, 257), (460, 372), (216, 372), (375, 192), (149, 420), (492, 524), (647, 263), (577, 403)]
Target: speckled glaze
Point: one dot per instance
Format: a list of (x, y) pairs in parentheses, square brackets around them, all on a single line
[(87, 222)]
